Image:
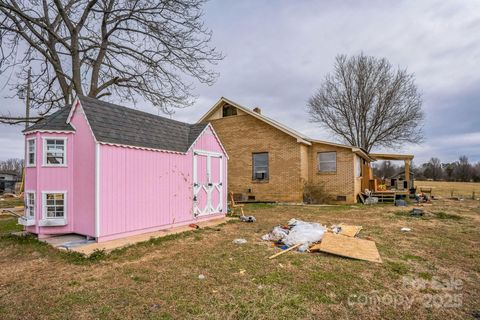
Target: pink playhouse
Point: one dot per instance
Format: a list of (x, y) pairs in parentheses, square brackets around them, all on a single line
[(106, 171)]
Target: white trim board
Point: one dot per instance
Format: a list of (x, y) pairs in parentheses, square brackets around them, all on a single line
[(97, 190)]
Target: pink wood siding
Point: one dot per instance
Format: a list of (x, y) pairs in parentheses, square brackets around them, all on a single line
[(77, 179), (143, 190), (83, 175), (51, 179)]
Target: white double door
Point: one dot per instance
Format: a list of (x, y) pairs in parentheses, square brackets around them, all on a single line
[(207, 183)]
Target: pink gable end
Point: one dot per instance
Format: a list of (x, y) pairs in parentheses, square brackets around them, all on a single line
[(208, 141)]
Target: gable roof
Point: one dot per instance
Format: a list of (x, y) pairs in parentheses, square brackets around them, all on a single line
[(57, 121), (114, 124), (301, 138)]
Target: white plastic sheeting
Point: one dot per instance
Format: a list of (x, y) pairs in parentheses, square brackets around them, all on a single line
[(299, 232)]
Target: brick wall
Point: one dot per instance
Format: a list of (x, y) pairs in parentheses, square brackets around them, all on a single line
[(291, 163), (242, 135), (339, 183)]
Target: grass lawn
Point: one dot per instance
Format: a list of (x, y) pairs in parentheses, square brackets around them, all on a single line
[(159, 279)]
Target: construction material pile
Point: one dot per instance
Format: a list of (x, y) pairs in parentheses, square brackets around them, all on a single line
[(339, 240)]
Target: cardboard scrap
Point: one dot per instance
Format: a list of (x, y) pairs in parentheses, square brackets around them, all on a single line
[(348, 230), (348, 247)]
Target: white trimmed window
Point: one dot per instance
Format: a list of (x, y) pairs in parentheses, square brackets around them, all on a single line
[(30, 205), (31, 152), (54, 152), (358, 167), (260, 166), (327, 161), (54, 205)]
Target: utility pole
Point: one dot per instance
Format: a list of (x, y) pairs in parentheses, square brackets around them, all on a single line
[(27, 98)]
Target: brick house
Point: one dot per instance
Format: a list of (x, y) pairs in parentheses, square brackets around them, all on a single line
[(271, 162)]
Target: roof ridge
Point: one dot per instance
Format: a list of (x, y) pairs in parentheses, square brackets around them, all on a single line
[(114, 105)]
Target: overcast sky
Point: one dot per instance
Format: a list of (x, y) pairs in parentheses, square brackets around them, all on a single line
[(278, 52)]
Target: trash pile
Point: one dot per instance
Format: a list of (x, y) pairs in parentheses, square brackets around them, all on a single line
[(297, 232), (339, 239)]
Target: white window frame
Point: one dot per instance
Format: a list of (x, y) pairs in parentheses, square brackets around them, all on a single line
[(267, 178), (34, 152), (28, 195), (55, 221), (44, 152), (320, 162), (358, 166)]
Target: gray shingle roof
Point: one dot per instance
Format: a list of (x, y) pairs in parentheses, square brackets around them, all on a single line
[(115, 124), (55, 121)]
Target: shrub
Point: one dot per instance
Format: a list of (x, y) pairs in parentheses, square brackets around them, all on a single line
[(316, 194)]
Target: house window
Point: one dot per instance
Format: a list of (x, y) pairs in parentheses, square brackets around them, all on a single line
[(31, 152), (229, 110), (327, 161), (30, 205), (54, 205), (260, 166), (54, 152), (358, 167)]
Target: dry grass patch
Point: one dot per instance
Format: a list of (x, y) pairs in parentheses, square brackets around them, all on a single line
[(158, 279), (451, 188)]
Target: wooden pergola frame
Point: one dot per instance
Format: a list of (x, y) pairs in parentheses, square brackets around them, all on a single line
[(407, 158)]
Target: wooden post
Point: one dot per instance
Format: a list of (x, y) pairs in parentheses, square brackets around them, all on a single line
[(407, 173)]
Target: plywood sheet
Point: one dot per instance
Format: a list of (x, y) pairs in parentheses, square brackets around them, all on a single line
[(348, 247), (348, 230)]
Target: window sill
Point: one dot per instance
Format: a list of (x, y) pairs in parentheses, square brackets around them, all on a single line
[(260, 181), (54, 166), (327, 173), (26, 222), (52, 222), (30, 166)]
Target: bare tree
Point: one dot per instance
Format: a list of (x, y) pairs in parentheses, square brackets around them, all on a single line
[(126, 48), (368, 103), (12, 165), (463, 170), (434, 169)]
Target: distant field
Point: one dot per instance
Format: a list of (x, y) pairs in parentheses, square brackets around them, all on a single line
[(447, 189)]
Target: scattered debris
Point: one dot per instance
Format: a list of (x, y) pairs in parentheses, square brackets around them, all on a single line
[(194, 225), (9, 195), (310, 236), (346, 230), (277, 234), (201, 276), (284, 251), (242, 271), (400, 203), (423, 197), (303, 233), (349, 247), (247, 219), (405, 229), (239, 241), (416, 212), (336, 229)]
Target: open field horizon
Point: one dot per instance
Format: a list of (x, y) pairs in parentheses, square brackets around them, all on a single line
[(450, 188)]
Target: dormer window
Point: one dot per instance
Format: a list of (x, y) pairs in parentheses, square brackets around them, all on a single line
[(229, 110), (54, 152)]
